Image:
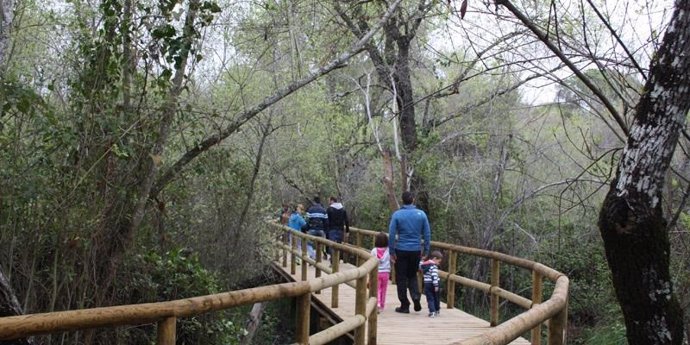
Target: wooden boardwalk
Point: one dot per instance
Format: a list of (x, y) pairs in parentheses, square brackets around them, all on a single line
[(415, 328)]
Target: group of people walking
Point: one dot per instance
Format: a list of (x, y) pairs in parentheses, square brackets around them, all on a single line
[(408, 242), (331, 223)]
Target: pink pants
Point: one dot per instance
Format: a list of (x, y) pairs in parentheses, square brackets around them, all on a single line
[(383, 286)]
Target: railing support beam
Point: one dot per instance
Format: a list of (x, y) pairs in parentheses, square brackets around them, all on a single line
[(450, 284), (319, 256), (360, 308), (293, 261), (373, 318), (557, 326), (335, 266), (166, 331), (303, 311), (304, 262), (495, 283), (536, 299)]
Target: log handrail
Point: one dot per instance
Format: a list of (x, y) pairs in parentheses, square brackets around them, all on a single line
[(552, 311), (166, 313)]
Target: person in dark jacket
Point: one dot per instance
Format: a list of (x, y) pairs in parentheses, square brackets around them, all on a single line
[(317, 223), (338, 226), (408, 226)]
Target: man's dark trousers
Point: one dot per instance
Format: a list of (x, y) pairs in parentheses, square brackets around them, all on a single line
[(406, 267)]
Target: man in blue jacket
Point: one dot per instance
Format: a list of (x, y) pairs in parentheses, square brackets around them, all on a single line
[(407, 228)]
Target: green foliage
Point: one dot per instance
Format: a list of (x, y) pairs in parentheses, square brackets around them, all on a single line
[(177, 275), (591, 304), (17, 99), (611, 334)]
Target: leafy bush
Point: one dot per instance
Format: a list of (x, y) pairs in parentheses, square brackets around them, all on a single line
[(176, 275)]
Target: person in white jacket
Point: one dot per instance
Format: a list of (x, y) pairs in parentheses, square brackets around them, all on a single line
[(381, 252)]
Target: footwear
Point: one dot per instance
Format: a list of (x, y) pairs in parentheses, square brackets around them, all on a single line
[(402, 310), (432, 314), (438, 313), (417, 305)]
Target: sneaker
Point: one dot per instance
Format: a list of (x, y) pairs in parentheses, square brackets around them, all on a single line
[(438, 313), (402, 310), (417, 305), (432, 314)]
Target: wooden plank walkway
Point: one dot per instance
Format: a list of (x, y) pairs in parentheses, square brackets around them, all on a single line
[(414, 328)]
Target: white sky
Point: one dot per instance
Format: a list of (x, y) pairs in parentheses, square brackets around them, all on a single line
[(635, 21)]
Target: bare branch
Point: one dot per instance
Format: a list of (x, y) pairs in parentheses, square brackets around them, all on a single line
[(245, 116), (544, 38), (618, 39)]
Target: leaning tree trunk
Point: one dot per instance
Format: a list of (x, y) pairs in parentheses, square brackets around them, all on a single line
[(631, 220)]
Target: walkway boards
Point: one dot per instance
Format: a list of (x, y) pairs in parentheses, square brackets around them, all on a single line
[(415, 328)]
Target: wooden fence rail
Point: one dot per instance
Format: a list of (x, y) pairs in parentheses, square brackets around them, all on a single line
[(552, 311)]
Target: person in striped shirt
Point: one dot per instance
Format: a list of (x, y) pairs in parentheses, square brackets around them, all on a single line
[(432, 282)]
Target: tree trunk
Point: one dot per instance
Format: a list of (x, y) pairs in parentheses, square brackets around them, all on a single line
[(112, 241), (391, 59), (6, 16), (631, 220), (388, 182), (253, 323)]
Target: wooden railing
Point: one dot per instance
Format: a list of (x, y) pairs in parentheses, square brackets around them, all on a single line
[(165, 314), (552, 312)]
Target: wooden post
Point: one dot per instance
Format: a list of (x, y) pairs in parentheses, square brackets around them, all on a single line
[(293, 260), (302, 250), (305, 265), (373, 318), (335, 259), (166, 331), (317, 270), (557, 326), (358, 240), (360, 309), (450, 284), (303, 311), (285, 251), (495, 282), (536, 299)]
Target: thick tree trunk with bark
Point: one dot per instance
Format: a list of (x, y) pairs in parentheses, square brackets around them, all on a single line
[(631, 221), (391, 59)]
